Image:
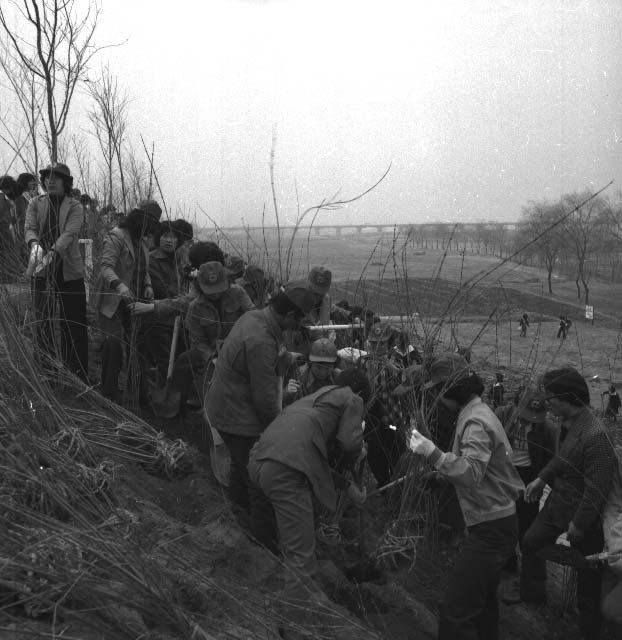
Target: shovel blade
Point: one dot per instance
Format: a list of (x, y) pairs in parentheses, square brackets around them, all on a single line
[(220, 460), (166, 402)]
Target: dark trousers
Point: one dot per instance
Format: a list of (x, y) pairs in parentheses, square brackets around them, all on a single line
[(543, 532), (73, 350), (384, 448), (117, 340), (470, 609), (526, 513), (247, 495)]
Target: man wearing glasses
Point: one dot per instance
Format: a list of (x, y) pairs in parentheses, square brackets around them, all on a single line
[(580, 476)]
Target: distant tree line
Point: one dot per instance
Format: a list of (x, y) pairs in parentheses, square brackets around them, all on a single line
[(564, 237)]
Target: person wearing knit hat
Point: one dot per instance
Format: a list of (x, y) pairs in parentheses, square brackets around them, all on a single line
[(533, 437), (51, 231), (581, 475), (487, 486)]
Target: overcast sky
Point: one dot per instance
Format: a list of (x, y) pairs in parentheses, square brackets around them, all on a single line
[(478, 106)]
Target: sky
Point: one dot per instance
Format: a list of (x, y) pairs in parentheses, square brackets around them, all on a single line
[(477, 106)]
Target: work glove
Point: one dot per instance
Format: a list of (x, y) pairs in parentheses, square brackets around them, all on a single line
[(45, 261), (420, 444), (574, 535), (148, 293), (36, 255), (356, 494)]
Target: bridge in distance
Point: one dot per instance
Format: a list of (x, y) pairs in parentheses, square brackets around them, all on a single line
[(318, 230)]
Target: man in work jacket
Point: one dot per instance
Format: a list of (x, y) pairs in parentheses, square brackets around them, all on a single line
[(291, 463), (51, 231), (487, 486), (246, 391), (580, 475)]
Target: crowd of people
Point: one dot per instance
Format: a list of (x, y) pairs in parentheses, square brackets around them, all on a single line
[(301, 408)]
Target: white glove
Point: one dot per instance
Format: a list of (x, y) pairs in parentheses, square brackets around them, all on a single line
[(36, 255), (44, 262), (420, 444)]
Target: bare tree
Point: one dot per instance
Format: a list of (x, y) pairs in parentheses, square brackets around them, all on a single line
[(52, 41), (581, 234), (21, 134), (109, 120), (547, 245)]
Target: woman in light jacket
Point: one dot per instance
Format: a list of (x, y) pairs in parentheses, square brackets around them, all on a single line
[(124, 278)]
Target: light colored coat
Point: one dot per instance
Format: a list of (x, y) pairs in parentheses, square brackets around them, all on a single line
[(70, 220), (120, 262), (480, 466)]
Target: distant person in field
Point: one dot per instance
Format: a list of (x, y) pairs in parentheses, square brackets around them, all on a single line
[(497, 391), (563, 328), (613, 403), (51, 231), (581, 476), (523, 323)]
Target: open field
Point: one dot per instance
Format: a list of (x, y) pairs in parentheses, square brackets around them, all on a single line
[(379, 258), (476, 298)]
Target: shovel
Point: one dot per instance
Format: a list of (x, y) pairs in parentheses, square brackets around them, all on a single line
[(220, 458), (166, 401)]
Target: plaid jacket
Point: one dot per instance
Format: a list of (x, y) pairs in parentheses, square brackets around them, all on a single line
[(581, 473)]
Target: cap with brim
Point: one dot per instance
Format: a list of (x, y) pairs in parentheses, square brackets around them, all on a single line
[(447, 369), (300, 295), (532, 406), (212, 278), (56, 167)]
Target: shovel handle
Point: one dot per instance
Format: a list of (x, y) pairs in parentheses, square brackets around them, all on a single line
[(171, 357)]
